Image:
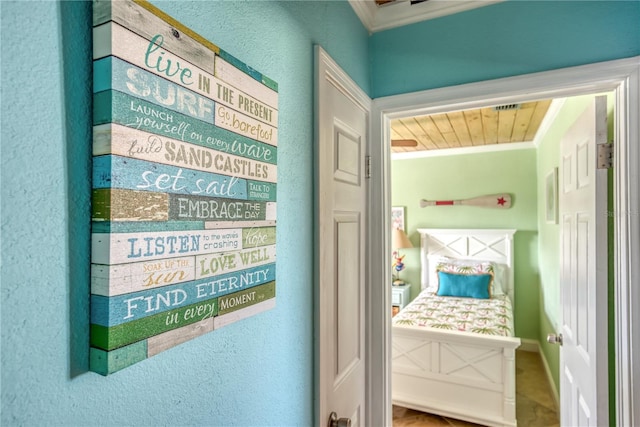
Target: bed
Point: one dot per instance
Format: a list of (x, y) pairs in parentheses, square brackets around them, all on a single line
[(460, 369)]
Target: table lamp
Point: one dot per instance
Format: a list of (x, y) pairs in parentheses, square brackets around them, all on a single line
[(400, 241)]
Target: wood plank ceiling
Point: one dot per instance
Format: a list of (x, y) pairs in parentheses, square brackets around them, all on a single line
[(485, 126)]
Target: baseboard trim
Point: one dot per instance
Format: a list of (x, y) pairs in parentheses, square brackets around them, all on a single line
[(534, 346), (529, 345)]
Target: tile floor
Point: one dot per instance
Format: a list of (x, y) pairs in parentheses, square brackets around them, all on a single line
[(535, 405)]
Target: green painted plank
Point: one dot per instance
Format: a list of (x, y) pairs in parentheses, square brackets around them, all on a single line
[(198, 208), (110, 338), (114, 204), (246, 298), (265, 191), (255, 237), (105, 363)]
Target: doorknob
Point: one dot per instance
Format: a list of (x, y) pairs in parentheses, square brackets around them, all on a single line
[(334, 421), (554, 339)]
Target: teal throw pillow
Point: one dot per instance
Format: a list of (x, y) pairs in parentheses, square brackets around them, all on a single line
[(464, 285)]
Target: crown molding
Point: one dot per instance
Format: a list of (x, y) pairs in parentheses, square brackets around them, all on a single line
[(549, 118), (402, 12), (408, 155)]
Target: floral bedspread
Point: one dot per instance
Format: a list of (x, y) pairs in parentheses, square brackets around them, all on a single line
[(484, 316)]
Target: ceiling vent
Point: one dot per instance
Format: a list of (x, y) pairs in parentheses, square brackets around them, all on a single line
[(506, 107)]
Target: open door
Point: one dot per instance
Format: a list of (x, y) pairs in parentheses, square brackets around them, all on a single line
[(583, 271), (341, 224)]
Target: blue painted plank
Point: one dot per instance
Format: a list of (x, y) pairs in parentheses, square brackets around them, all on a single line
[(268, 82), (117, 107), (133, 174), (111, 311), (113, 73), (144, 226)]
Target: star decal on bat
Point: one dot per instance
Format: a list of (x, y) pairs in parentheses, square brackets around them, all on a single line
[(501, 201)]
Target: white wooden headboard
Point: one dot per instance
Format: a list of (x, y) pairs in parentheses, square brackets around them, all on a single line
[(486, 245)]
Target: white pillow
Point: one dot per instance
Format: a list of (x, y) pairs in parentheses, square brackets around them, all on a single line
[(500, 279), (498, 284), (434, 260)]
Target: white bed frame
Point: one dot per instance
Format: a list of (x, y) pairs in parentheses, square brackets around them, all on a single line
[(458, 374)]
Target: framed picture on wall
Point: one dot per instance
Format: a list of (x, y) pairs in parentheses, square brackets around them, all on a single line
[(397, 217), (551, 197)]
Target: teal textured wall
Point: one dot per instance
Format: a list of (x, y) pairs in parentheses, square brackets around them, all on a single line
[(256, 372), (505, 39)]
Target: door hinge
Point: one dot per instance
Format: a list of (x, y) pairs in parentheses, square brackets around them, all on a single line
[(605, 156), (367, 166)]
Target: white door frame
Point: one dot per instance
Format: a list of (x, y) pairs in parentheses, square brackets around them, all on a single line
[(622, 77)]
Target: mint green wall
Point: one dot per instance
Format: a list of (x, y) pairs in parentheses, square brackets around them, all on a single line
[(549, 248), (463, 176), (257, 372), (549, 251)]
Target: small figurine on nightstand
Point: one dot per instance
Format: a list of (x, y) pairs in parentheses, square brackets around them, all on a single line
[(398, 266)]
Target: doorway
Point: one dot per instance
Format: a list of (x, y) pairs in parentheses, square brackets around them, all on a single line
[(621, 77)]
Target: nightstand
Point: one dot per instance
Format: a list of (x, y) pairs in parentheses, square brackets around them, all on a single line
[(400, 296)]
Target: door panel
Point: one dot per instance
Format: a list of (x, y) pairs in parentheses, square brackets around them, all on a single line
[(582, 203), (347, 291), (343, 122)]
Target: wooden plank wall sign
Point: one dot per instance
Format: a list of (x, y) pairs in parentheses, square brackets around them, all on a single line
[(184, 186)]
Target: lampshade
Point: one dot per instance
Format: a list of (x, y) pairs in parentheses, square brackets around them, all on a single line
[(400, 239)]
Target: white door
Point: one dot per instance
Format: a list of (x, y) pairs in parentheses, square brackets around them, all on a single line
[(583, 276), (343, 117)]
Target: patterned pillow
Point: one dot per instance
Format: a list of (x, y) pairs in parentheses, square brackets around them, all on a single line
[(455, 265), (465, 266)]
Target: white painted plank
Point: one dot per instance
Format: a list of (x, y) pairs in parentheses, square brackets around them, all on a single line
[(153, 56), (147, 24), (121, 248), (271, 211), (212, 225), (133, 143), (167, 340), (110, 280), (238, 79), (243, 313), (230, 119)]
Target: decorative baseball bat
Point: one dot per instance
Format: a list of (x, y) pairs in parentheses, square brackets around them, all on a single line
[(501, 201)]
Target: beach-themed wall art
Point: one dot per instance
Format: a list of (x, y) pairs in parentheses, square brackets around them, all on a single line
[(397, 217), (184, 186)]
